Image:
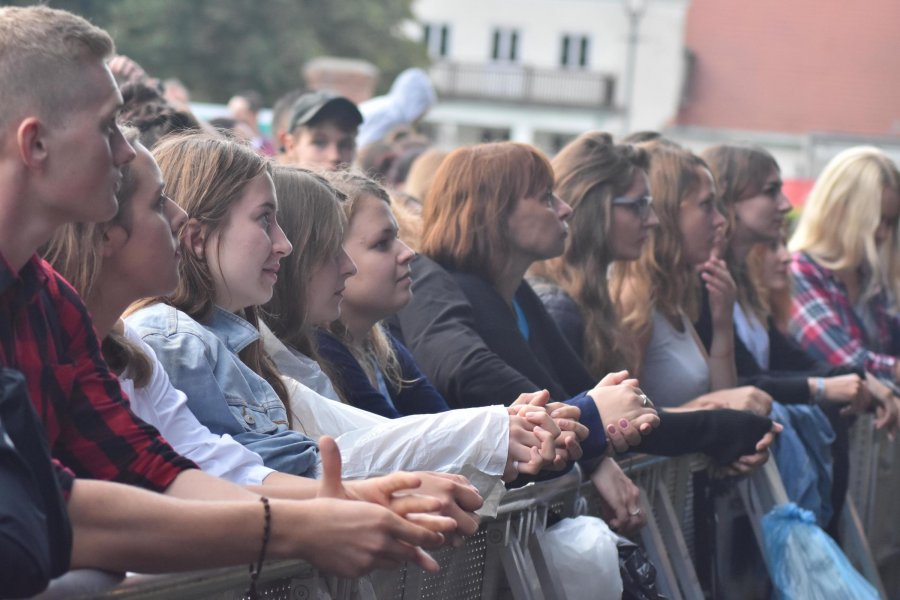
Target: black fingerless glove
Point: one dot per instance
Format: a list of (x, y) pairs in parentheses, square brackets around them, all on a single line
[(724, 435)]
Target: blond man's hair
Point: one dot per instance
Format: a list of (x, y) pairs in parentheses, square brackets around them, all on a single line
[(42, 54)]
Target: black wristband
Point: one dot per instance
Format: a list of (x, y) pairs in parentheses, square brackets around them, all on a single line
[(267, 530)]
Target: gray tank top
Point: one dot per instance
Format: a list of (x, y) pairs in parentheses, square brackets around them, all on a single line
[(674, 370)]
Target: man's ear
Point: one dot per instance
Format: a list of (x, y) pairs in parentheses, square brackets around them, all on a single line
[(287, 141), (114, 238), (31, 141), (194, 236)]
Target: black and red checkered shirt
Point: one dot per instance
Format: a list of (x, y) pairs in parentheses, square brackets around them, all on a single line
[(47, 334)]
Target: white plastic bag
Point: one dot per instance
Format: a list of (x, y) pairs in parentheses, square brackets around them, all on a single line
[(583, 558)]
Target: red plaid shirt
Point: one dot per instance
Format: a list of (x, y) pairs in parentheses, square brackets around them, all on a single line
[(47, 334), (825, 324)]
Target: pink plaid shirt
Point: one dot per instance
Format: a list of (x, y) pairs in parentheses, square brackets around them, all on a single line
[(826, 325)]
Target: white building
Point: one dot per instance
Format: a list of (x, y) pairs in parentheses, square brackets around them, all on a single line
[(543, 71)]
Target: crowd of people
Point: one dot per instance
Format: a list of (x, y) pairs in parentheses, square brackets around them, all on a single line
[(218, 348)]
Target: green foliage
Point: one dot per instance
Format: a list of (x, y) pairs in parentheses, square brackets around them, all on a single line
[(218, 47)]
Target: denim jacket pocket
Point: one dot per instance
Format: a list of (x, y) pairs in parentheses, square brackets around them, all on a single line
[(258, 418)]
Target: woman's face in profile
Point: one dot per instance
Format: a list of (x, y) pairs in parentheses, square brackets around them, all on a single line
[(631, 220), (145, 254), (537, 227), (759, 218), (699, 220)]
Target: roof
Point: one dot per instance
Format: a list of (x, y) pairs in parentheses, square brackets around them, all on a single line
[(794, 66)]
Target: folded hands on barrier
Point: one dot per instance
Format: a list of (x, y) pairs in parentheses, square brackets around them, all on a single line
[(556, 427)]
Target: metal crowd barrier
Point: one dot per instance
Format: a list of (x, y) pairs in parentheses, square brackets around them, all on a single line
[(666, 498), (505, 558)]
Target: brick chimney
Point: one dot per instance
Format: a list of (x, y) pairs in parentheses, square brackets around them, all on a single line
[(352, 78)]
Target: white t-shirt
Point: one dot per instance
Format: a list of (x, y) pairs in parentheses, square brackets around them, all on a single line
[(753, 334)]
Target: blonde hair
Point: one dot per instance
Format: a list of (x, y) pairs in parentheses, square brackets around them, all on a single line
[(75, 251), (661, 278), (422, 173), (375, 350), (843, 211), (42, 52), (591, 171), (410, 224)]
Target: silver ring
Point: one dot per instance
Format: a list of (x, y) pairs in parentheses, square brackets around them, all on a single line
[(645, 401), (634, 512), (516, 466)]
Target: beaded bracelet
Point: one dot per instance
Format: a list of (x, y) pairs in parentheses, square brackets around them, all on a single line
[(267, 530)]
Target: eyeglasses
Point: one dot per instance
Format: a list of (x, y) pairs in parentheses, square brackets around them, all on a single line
[(641, 207)]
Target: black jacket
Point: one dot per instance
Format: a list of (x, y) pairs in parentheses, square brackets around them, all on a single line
[(35, 535)]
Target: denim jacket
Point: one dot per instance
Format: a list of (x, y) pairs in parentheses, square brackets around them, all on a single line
[(222, 392)]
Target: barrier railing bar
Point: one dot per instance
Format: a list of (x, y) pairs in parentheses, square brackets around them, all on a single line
[(520, 570), (493, 571), (760, 492), (856, 546), (197, 584), (549, 584), (870, 494), (654, 544), (680, 558)]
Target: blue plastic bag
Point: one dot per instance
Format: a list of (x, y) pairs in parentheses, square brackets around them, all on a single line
[(805, 562)]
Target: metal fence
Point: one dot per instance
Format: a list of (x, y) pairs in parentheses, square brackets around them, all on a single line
[(505, 558)]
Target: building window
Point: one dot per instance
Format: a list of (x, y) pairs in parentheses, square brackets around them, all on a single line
[(574, 51), (436, 37), (505, 45)]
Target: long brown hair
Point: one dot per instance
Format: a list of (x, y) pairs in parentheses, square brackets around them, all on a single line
[(740, 172), (590, 172), (473, 193), (207, 176), (309, 212), (75, 251), (661, 278)]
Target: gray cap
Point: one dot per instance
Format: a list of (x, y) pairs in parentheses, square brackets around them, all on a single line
[(311, 105)]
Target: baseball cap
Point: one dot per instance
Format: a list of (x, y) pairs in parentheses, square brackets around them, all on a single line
[(311, 105)]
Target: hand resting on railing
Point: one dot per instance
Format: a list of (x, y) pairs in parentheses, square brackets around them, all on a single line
[(566, 418), (366, 536), (620, 498), (626, 412)]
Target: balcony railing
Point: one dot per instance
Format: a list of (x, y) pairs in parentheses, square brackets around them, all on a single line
[(525, 85)]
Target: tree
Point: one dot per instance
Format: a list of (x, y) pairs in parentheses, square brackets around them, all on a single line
[(218, 47)]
